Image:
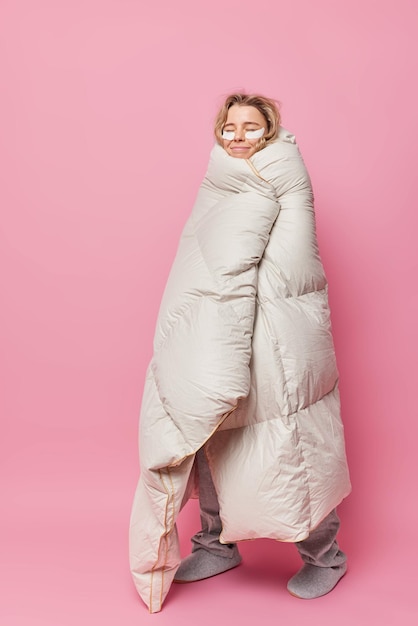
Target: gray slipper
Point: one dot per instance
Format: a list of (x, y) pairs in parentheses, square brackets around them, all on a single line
[(312, 581), (202, 564)]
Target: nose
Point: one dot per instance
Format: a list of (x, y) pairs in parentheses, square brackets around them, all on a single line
[(239, 134)]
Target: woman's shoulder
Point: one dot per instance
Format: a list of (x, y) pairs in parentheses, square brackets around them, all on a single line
[(285, 136), (281, 163), (284, 146)]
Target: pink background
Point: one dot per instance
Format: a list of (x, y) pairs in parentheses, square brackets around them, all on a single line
[(106, 114)]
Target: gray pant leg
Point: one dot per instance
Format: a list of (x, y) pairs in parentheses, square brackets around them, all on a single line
[(208, 537), (321, 548)]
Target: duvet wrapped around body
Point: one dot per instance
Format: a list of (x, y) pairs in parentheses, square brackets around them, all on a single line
[(244, 362)]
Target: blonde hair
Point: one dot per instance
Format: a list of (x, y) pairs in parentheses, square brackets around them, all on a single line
[(267, 107)]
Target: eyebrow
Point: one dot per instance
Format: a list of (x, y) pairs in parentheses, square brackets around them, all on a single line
[(245, 124)]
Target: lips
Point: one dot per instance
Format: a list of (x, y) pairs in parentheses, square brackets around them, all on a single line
[(240, 150)]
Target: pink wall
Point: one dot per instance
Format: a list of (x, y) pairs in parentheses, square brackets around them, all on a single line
[(106, 111)]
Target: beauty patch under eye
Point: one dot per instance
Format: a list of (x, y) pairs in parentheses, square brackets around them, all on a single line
[(228, 134), (255, 134)]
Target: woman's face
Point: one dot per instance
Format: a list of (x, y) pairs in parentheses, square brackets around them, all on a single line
[(242, 119)]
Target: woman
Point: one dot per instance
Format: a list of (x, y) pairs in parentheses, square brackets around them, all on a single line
[(242, 392)]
